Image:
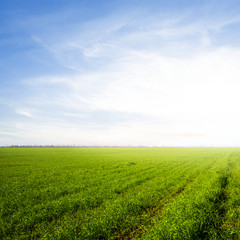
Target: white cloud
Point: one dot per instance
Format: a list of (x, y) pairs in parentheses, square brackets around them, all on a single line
[(25, 113), (196, 97), (154, 85)]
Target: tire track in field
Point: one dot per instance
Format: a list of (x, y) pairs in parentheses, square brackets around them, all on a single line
[(218, 212), (147, 217), (222, 199), (231, 223), (221, 207), (157, 211)]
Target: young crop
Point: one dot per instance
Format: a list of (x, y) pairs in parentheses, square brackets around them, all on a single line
[(119, 193)]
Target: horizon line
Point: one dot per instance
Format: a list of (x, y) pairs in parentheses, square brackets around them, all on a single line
[(106, 146)]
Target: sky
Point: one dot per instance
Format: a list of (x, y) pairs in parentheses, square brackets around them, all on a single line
[(120, 73)]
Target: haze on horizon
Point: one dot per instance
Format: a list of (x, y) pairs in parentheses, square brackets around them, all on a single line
[(152, 73)]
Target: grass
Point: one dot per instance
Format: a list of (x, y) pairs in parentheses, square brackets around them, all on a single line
[(120, 193)]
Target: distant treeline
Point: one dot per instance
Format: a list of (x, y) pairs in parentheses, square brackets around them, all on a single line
[(107, 146), (71, 146)]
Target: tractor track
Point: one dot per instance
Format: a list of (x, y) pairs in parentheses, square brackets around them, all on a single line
[(148, 216)]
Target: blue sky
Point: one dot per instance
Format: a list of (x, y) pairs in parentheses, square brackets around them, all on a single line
[(154, 73)]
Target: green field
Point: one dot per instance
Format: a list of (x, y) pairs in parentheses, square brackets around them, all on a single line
[(120, 193)]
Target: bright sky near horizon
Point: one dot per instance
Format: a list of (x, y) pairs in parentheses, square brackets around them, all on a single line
[(120, 72)]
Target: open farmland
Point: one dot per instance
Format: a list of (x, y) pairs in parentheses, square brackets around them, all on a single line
[(120, 193)]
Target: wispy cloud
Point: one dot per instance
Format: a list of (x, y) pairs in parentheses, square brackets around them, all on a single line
[(195, 96), (25, 113)]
